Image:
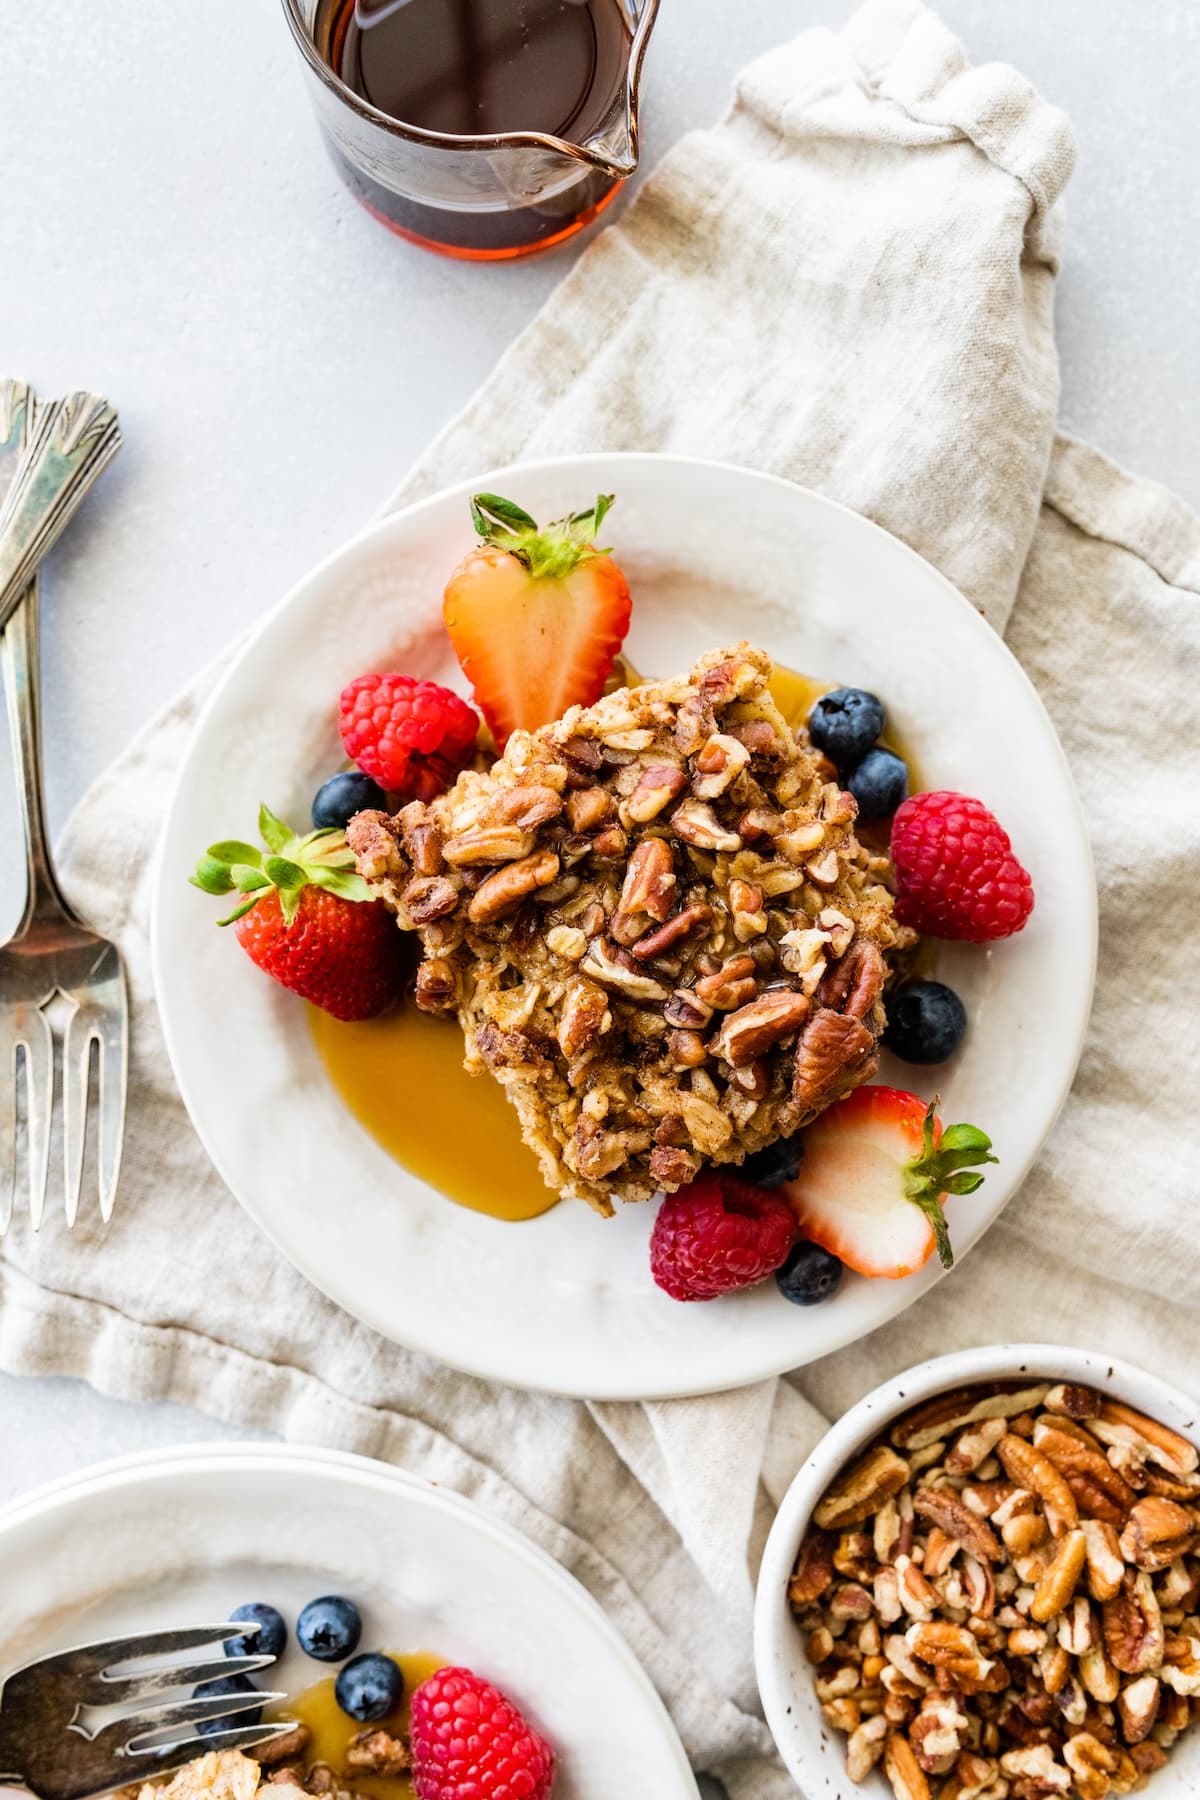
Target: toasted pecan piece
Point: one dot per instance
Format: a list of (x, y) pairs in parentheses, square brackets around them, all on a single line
[(814, 1572), (1156, 1532), (1120, 1424), (950, 1412), (942, 1507), (1133, 1629), (1026, 1465), (862, 1488)]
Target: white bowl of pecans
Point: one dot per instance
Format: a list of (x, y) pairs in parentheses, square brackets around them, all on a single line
[(984, 1584)]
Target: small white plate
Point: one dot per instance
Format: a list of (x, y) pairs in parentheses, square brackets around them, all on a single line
[(182, 1537), (713, 553)]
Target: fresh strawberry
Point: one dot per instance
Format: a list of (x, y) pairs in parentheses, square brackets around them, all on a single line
[(536, 616), (307, 919), (876, 1168), (956, 873), (408, 735), (470, 1743)]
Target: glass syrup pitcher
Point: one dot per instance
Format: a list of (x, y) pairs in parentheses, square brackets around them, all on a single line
[(481, 128)]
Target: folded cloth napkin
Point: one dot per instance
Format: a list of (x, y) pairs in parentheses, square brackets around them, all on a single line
[(848, 282)]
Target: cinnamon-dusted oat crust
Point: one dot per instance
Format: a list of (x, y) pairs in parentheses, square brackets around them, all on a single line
[(656, 927)]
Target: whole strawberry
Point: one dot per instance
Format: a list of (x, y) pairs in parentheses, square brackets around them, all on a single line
[(719, 1234), (306, 919), (403, 732), (470, 1743), (956, 874)]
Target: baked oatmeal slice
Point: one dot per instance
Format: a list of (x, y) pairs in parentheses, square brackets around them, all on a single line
[(655, 925)]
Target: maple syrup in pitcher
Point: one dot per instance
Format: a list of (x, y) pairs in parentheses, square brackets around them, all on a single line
[(479, 69)]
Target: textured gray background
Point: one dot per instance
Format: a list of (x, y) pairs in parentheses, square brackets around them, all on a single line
[(171, 235)]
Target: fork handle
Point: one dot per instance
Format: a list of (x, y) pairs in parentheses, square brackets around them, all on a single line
[(74, 440), (22, 685)]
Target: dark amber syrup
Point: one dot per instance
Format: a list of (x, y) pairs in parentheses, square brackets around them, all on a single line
[(477, 68)]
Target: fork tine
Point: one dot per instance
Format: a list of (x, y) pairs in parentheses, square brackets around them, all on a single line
[(39, 1106), (77, 1053), (244, 1737), (122, 1690), (210, 1707), (99, 1018), (92, 1659), (113, 1077)]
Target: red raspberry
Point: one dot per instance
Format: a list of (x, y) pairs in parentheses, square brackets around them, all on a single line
[(718, 1234), (470, 1743), (956, 875), (387, 721)]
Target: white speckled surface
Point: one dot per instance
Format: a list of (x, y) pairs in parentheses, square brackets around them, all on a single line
[(278, 359)]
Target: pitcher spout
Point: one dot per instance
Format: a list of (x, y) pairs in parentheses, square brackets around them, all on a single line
[(613, 148)]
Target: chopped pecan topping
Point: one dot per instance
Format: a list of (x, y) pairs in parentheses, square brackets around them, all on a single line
[(429, 897), (377, 1752), (488, 844), (655, 790), (679, 926), (833, 1055), (757, 1027), (504, 891)]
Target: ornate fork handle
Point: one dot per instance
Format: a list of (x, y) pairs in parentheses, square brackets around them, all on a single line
[(73, 441)]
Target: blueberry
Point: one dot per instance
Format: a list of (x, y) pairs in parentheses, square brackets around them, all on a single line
[(845, 723), (879, 784), (809, 1275), (228, 1684), (339, 798), (329, 1628), (778, 1162), (369, 1687), (926, 1022), (269, 1640)]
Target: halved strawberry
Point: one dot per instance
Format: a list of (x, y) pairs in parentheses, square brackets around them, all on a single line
[(536, 616), (875, 1170)]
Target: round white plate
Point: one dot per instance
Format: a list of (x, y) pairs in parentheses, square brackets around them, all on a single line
[(713, 553), (182, 1537)]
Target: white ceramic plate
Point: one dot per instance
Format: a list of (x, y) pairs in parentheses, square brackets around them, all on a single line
[(815, 1754), (182, 1537), (713, 554)]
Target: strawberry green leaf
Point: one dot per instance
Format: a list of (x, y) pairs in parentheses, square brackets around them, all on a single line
[(234, 851), (944, 1168), (275, 834), (340, 882), (239, 912), (289, 903), (249, 880), (965, 1137), (494, 517), (966, 1182), (212, 875), (285, 873)]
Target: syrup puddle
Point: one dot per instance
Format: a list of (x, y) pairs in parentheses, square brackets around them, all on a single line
[(332, 1732)]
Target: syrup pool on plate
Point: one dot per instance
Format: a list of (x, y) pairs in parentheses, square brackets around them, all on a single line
[(332, 1732), (402, 1077)]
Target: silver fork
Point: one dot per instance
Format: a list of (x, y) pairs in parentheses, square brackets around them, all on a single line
[(74, 1725), (49, 456)]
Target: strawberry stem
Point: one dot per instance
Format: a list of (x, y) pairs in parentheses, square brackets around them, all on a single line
[(943, 1168), (550, 552)]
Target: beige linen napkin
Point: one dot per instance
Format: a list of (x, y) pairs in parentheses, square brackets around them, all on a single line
[(848, 282)]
